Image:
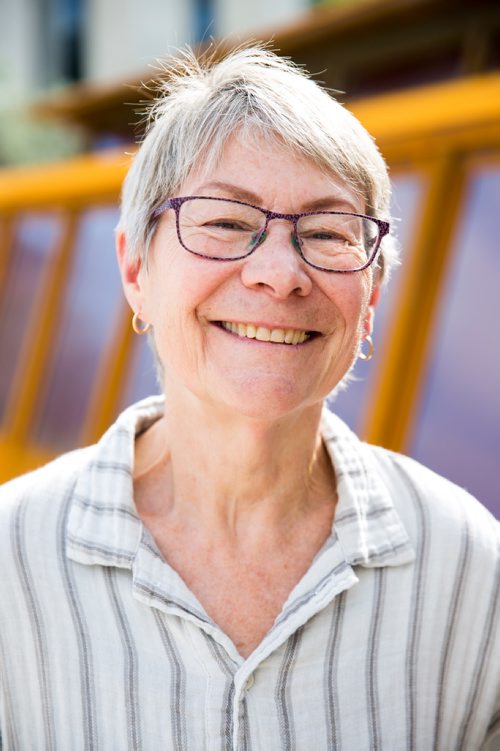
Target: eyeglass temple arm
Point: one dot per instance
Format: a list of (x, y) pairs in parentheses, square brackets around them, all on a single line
[(170, 203)]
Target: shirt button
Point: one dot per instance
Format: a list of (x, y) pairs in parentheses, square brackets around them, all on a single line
[(250, 681)]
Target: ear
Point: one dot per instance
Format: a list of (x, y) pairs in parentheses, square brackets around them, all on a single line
[(131, 274), (370, 311)]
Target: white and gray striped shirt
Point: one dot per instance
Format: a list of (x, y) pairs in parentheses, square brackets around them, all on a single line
[(390, 641)]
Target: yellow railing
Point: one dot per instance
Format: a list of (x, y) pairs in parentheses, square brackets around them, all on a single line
[(435, 130)]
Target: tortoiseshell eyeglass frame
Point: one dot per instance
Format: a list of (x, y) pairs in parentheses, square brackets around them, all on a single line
[(176, 204)]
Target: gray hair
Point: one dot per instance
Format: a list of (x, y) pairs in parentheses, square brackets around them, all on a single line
[(202, 101)]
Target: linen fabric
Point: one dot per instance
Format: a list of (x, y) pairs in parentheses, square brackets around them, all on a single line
[(390, 641)]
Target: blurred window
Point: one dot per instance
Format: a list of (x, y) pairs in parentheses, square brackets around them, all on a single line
[(34, 246), (457, 432), (88, 318), (61, 26), (353, 404), (204, 12)]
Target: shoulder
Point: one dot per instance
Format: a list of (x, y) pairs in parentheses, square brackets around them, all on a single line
[(438, 515), (430, 504), (43, 490)]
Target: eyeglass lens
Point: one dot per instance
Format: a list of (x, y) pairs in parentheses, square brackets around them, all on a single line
[(227, 230)]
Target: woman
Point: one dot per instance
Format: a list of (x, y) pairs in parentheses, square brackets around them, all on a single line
[(230, 568)]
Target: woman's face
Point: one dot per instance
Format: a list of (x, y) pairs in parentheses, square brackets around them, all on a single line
[(187, 298)]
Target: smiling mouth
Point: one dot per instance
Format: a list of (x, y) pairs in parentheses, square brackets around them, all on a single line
[(263, 334)]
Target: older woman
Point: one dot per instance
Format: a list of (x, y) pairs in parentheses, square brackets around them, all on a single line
[(230, 567)]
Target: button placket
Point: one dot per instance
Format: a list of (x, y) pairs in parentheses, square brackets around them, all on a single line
[(250, 681)]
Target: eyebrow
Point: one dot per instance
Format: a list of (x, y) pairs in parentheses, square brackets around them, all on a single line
[(241, 194), (326, 203), (332, 203)]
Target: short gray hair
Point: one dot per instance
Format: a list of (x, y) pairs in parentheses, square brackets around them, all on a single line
[(202, 101)]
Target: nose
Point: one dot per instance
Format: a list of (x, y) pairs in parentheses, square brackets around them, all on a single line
[(275, 266)]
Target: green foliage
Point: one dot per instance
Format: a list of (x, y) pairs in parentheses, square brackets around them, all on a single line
[(26, 140)]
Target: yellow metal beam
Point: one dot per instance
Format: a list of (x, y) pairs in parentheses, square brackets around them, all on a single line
[(399, 381), (39, 339), (432, 112), (469, 168), (6, 248), (19, 458), (451, 115), (90, 178)]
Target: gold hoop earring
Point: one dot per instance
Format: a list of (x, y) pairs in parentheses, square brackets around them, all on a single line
[(137, 327), (371, 349)]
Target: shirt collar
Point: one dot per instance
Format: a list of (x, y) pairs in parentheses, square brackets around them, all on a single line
[(366, 524), (104, 527)]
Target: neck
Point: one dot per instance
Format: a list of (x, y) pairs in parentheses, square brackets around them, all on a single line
[(231, 473)]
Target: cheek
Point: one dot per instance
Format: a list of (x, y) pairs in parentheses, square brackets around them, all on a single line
[(350, 295), (179, 295), (174, 284)]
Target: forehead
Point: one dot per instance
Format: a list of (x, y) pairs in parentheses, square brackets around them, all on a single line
[(263, 171)]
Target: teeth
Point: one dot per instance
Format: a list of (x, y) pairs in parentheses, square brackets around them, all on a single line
[(280, 336), (277, 335), (263, 335)]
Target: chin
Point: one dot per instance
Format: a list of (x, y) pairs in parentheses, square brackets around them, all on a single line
[(262, 400)]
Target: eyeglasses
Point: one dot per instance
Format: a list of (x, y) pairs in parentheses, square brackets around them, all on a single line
[(224, 229)]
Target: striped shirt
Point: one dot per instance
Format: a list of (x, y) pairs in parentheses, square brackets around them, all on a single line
[(390, 641)]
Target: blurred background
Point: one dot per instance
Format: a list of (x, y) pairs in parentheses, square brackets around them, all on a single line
[(424, 78)]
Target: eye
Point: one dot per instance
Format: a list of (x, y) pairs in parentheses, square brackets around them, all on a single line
[(228, 224), (326, 235)]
